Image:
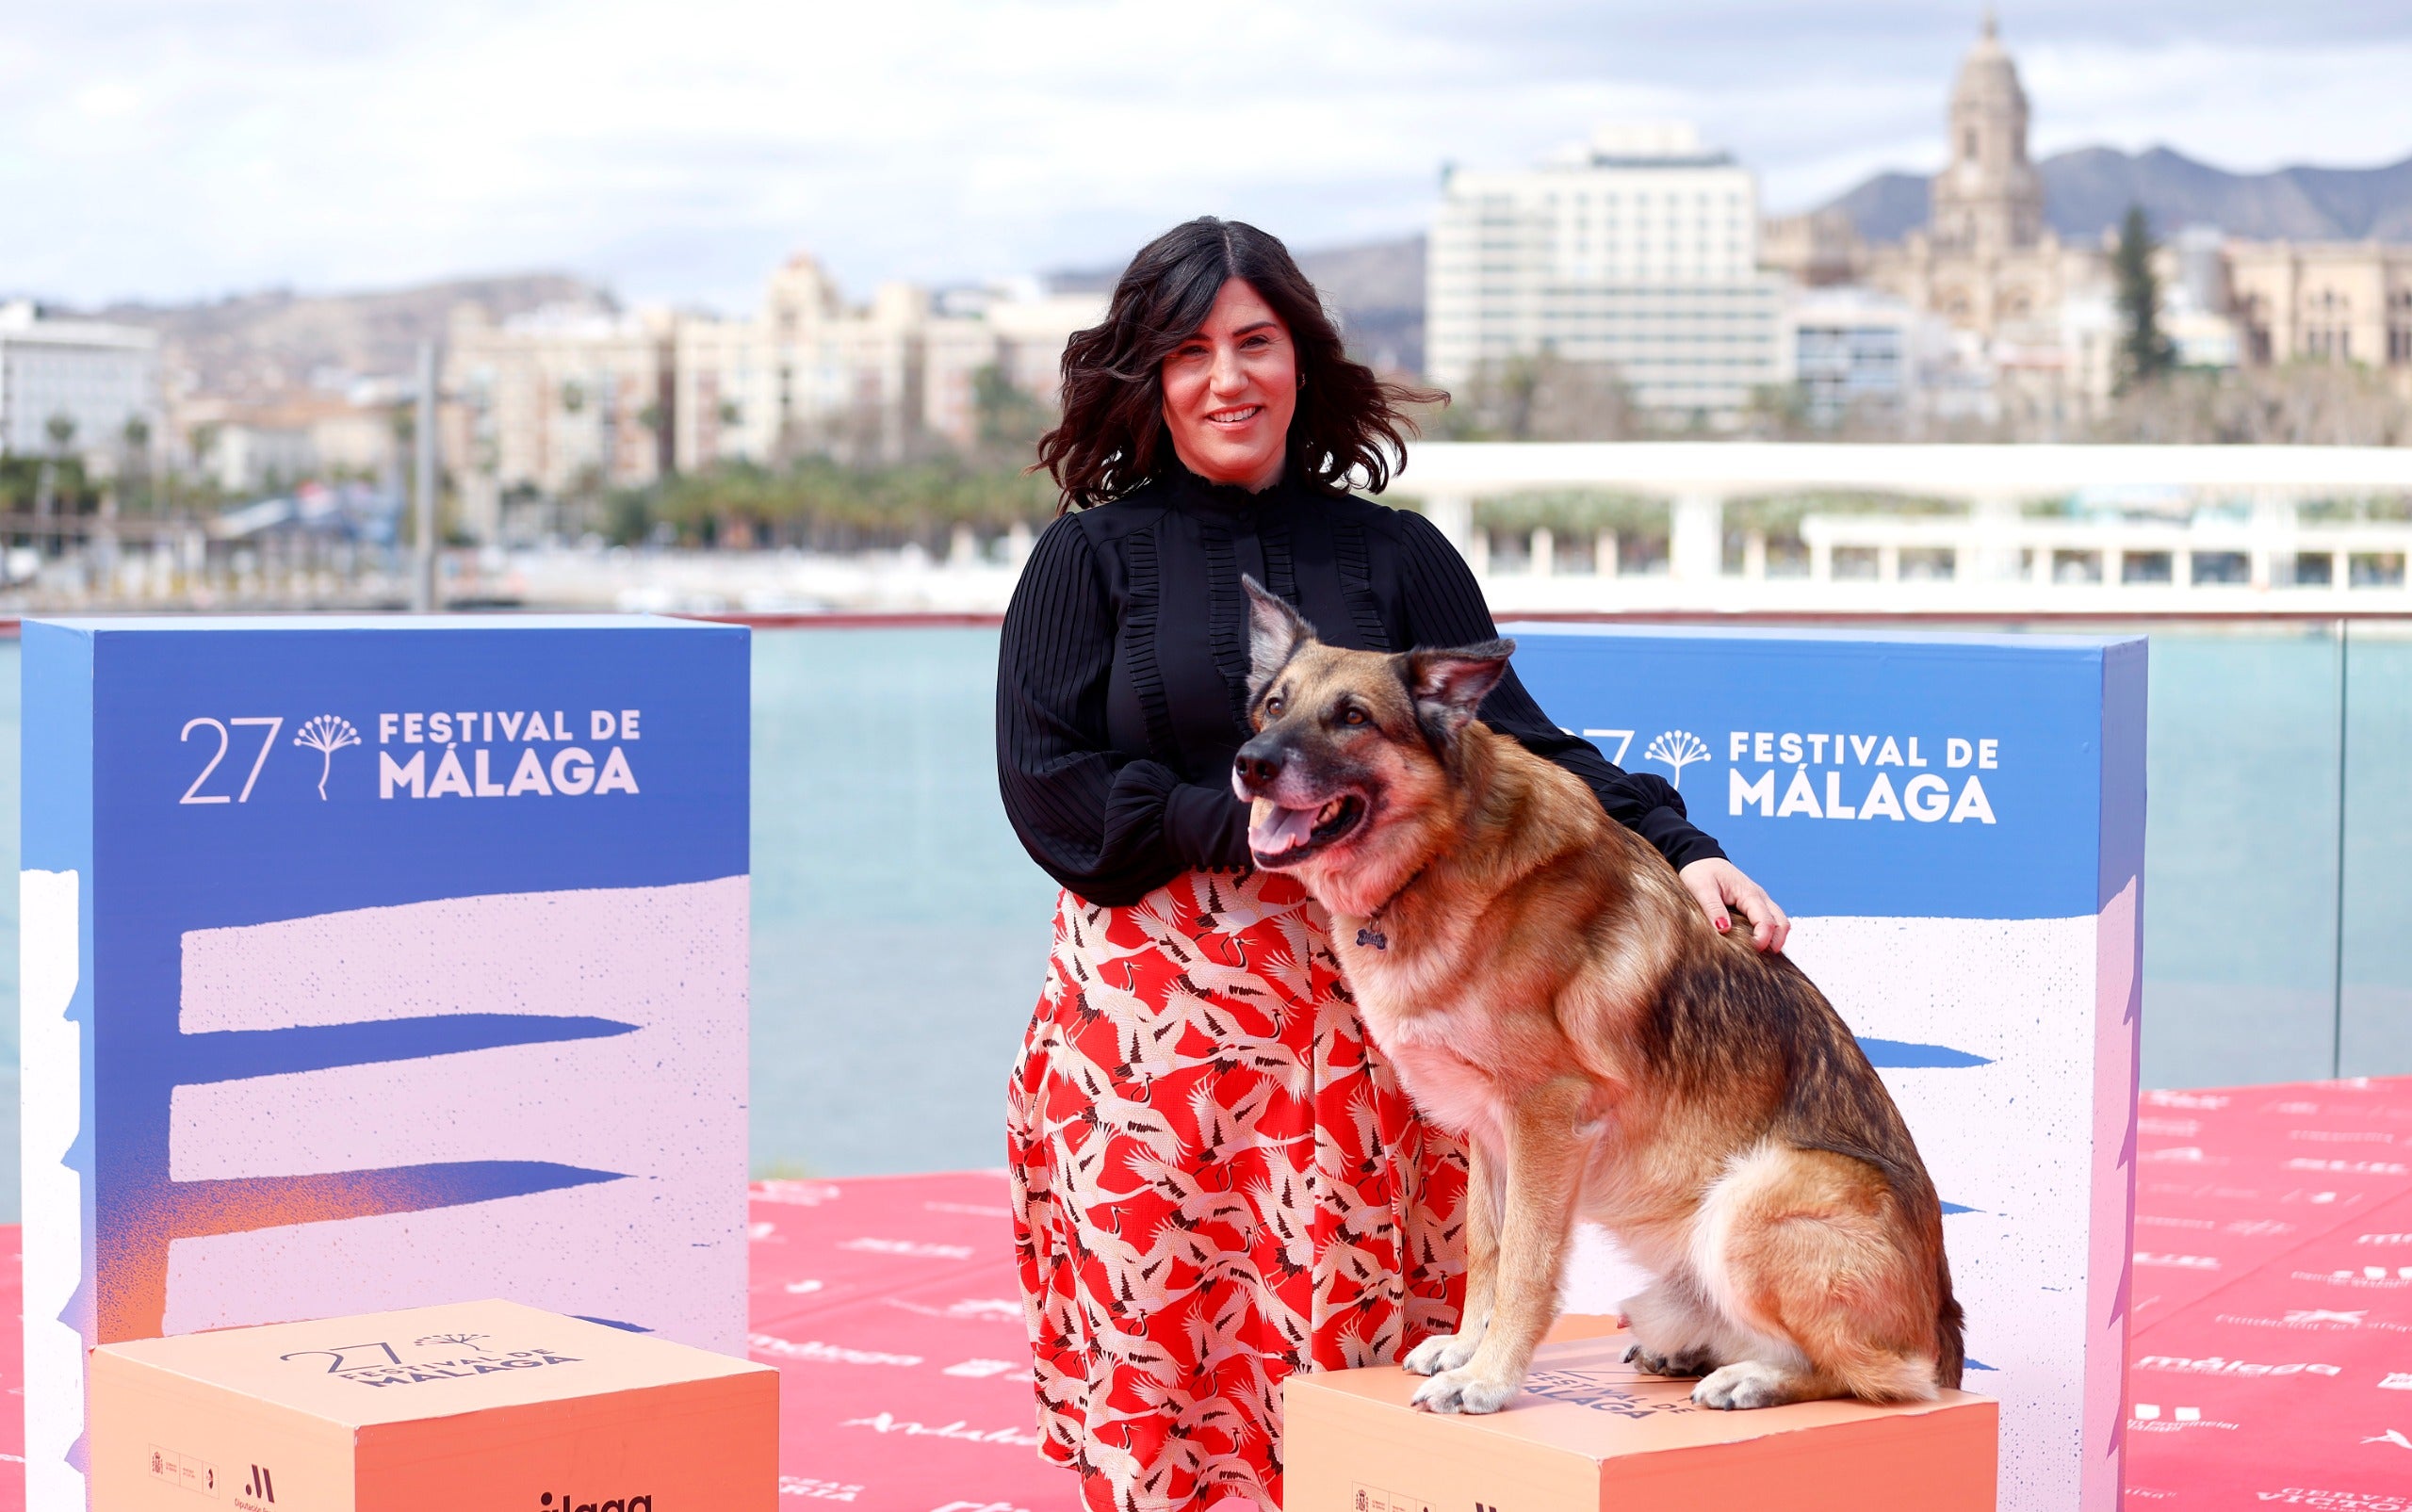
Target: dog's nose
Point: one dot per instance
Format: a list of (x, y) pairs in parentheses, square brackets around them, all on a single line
[(1258, 764)]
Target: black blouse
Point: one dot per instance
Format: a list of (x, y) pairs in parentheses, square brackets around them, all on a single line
[(1122, 680)]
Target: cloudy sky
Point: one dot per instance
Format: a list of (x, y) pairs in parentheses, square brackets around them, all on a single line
[(168, 149)]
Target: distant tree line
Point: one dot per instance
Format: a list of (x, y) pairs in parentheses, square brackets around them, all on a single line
[(820, 502), (55, 485), (824, 505)]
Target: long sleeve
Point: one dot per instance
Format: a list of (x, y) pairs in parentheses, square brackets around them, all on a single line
[(1108, 825), (1445, 608)]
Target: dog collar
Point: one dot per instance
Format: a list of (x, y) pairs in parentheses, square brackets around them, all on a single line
[(1372, 933)]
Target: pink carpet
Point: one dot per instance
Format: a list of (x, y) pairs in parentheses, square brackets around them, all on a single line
[(2270, 1361), (2270, 1355)]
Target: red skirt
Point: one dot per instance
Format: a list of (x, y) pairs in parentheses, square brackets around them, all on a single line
[(1217, 1182)]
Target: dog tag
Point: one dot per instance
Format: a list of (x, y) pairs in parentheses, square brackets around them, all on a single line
[(1374, 937)]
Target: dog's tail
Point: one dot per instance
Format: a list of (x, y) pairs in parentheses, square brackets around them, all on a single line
[(1836, 1101), (1951, 1348), (1914, 1191)]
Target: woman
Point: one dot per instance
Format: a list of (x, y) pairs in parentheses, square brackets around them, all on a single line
[(1218, 1180)]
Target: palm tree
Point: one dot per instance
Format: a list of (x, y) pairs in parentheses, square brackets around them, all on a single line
[(136, 434), (60, 429)]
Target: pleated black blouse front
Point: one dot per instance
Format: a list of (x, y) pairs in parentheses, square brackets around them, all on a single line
[(1122, 679)]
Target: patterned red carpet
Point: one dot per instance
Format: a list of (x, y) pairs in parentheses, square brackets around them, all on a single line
[(2269, 1356), (2272, 1352)]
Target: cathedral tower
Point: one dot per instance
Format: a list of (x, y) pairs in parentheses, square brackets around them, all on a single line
[(1989, 199)]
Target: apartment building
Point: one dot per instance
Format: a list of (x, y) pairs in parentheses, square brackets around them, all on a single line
[(562, 402), (1856, 355), (895, 378), (250, 446), (1637, 251), (569, 402)]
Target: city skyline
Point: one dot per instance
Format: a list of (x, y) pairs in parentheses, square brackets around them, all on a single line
[(172, 153)]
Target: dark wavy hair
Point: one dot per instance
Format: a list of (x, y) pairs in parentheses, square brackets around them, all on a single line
[(1350, 429)]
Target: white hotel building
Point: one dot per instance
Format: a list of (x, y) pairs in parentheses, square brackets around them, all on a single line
[(1638, 250), (86, 379)]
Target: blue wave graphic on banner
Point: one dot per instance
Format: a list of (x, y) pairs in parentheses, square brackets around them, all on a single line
[(614, 1323), (174, 1210), (232, 1056), (1908, 1055), (239, 1204)]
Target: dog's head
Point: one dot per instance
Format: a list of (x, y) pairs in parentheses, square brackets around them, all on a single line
[(1351, 747)]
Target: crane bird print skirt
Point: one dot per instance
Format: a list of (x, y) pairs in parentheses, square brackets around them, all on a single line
[(1218, 1182)]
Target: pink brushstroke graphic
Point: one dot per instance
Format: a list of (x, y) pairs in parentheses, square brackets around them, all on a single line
[(644, 1128)]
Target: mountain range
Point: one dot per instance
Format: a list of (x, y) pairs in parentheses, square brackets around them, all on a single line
[(278, 340), (1378, 287), (2087, 192)]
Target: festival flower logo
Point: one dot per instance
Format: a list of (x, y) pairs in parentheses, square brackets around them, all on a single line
[(326, 735), (1677, 749)]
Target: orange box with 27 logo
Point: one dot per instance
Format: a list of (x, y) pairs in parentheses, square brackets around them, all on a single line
[(1592, 1433), (474, 1406)]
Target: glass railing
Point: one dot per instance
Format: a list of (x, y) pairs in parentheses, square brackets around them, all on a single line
[(2277, 851), (900, 934)]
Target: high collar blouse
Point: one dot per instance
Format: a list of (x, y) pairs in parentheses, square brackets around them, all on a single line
[(1122, 676)]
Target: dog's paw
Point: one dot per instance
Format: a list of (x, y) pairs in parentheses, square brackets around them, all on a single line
[(1442, 1352), (1745, 1384), (1463, 1391), (1691, 1362)]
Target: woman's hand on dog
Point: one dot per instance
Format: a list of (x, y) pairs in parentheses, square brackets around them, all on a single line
[(1720, 884)]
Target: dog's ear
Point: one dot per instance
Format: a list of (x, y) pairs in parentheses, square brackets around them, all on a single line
[(1448, 686), (1275, 632)]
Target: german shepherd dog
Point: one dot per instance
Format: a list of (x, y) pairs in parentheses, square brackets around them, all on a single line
[(1547, 990)]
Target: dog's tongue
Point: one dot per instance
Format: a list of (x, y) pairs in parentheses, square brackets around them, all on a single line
[(1283, 829)]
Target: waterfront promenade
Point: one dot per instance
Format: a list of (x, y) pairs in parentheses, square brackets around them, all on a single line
[(1682, 526)]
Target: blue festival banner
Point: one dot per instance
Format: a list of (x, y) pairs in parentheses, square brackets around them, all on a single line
[(1956, 824), (378, 963)]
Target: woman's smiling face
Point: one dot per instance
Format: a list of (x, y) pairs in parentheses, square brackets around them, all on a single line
[(1230, 389)]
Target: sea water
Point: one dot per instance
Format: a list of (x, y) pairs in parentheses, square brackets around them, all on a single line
[(901, 936)]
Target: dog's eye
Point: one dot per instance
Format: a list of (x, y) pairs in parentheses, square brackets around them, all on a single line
[(1353, 716), (1273, 708)]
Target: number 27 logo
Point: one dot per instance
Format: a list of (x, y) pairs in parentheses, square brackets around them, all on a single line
[(193, 794)]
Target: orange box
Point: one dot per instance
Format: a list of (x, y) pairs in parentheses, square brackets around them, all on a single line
[(476, 1406), (1590, 1433)]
